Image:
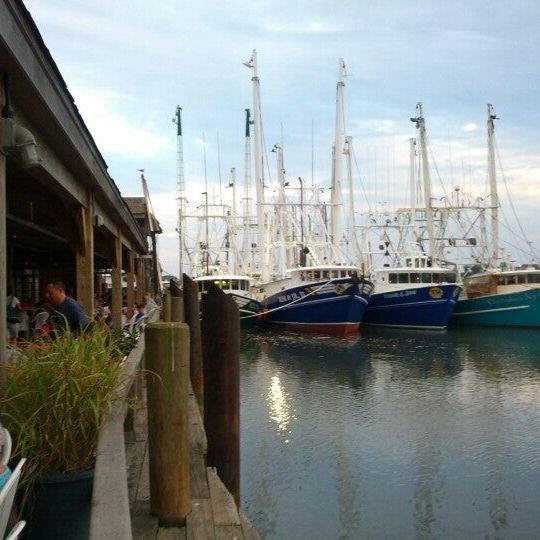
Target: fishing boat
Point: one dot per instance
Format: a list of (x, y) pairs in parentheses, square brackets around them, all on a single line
[(319, 299), (499, 295), (509, 298), (416, 295), (421, 293), (238, 287), (308, 283)]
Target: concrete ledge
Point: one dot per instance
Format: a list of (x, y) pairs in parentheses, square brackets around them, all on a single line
[(110, 516)]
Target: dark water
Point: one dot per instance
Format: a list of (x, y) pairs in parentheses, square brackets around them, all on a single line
[(394, 434)]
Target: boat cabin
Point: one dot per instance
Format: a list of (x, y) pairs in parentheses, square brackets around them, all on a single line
[(227, 283), (405, 276), (418, 270), (501, 282), (321, 273)]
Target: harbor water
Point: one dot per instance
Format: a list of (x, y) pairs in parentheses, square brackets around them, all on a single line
[(392, 434)]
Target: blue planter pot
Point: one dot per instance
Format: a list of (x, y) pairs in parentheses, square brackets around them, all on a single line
[(62, 507)]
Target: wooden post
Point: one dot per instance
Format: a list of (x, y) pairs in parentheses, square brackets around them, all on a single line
[(130, 280), (192, 316), (141, 281), (166, 308), (84, 257), (167, 364), (221, 364), (116, 277), (177, 308)]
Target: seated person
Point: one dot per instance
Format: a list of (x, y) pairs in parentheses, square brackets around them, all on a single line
[(5, 472), (68, 314)]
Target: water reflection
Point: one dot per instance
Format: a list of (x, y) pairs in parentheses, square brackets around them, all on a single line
[(280, 411), (319, 358), (392, 435)]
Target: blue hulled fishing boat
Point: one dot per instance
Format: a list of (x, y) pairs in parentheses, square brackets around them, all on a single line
[(327, 299), (413, 297)]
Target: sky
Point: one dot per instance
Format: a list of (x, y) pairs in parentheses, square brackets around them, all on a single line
[(129, 63)]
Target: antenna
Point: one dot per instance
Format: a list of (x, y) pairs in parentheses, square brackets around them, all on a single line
[(181, 190)]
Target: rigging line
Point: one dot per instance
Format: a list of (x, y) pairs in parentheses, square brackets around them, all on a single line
[(516, 247), (437, 171), (362, 183), (524, 236), (266, 160), (293, 301)]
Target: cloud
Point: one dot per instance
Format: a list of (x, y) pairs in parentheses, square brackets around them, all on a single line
[(470, 127), (113, 131)]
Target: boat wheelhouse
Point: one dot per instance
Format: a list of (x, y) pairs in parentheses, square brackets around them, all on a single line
[(237, 286)]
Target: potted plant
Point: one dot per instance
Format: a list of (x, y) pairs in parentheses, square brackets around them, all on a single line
[(55, 398)]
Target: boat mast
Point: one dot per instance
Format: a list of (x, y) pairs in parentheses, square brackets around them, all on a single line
[(281, 227), (231, 223), (181, 190), (493, 188), (336, 207), (247, 239), (355, 256), (258, 157), (421, 126), (412, 177)]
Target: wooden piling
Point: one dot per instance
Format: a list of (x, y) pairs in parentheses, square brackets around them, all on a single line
[(167, 364), (177, 308), (221, 350), (166, 307), (192, 318)]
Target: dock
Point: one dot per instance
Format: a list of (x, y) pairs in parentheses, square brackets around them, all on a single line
[(214, 513)]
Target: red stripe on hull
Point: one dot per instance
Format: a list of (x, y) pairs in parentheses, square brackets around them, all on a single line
[(341, 329)]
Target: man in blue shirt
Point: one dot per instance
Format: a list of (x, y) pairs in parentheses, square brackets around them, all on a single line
[(68, 314)]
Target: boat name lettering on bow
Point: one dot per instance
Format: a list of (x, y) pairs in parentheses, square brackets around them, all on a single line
[(400, 294)]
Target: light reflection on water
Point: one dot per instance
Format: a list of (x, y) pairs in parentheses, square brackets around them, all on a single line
[(394, 434)]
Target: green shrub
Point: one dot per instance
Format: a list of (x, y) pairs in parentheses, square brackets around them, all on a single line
[(56, 397)]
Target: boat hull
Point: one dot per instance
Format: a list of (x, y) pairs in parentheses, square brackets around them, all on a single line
[(335, 307), (515, 309), (249, 310), (427, 307)]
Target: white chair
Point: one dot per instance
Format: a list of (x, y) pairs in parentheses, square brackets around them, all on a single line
[(16, 531), (7, 495), (6, 448), (39, 320)]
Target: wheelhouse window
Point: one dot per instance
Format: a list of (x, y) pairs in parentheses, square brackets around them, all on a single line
[(403, 278), (427, 277), (450, 277), (392, 278)]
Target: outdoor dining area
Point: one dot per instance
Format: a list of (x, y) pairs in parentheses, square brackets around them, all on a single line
[(62, 220)]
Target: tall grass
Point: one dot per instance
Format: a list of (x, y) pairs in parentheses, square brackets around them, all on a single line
[(56, 397)]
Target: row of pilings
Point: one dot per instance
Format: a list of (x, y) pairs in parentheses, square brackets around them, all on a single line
[(196, 348)]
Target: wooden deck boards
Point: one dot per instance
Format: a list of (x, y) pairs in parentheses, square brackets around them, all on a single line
[(213, 512)]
